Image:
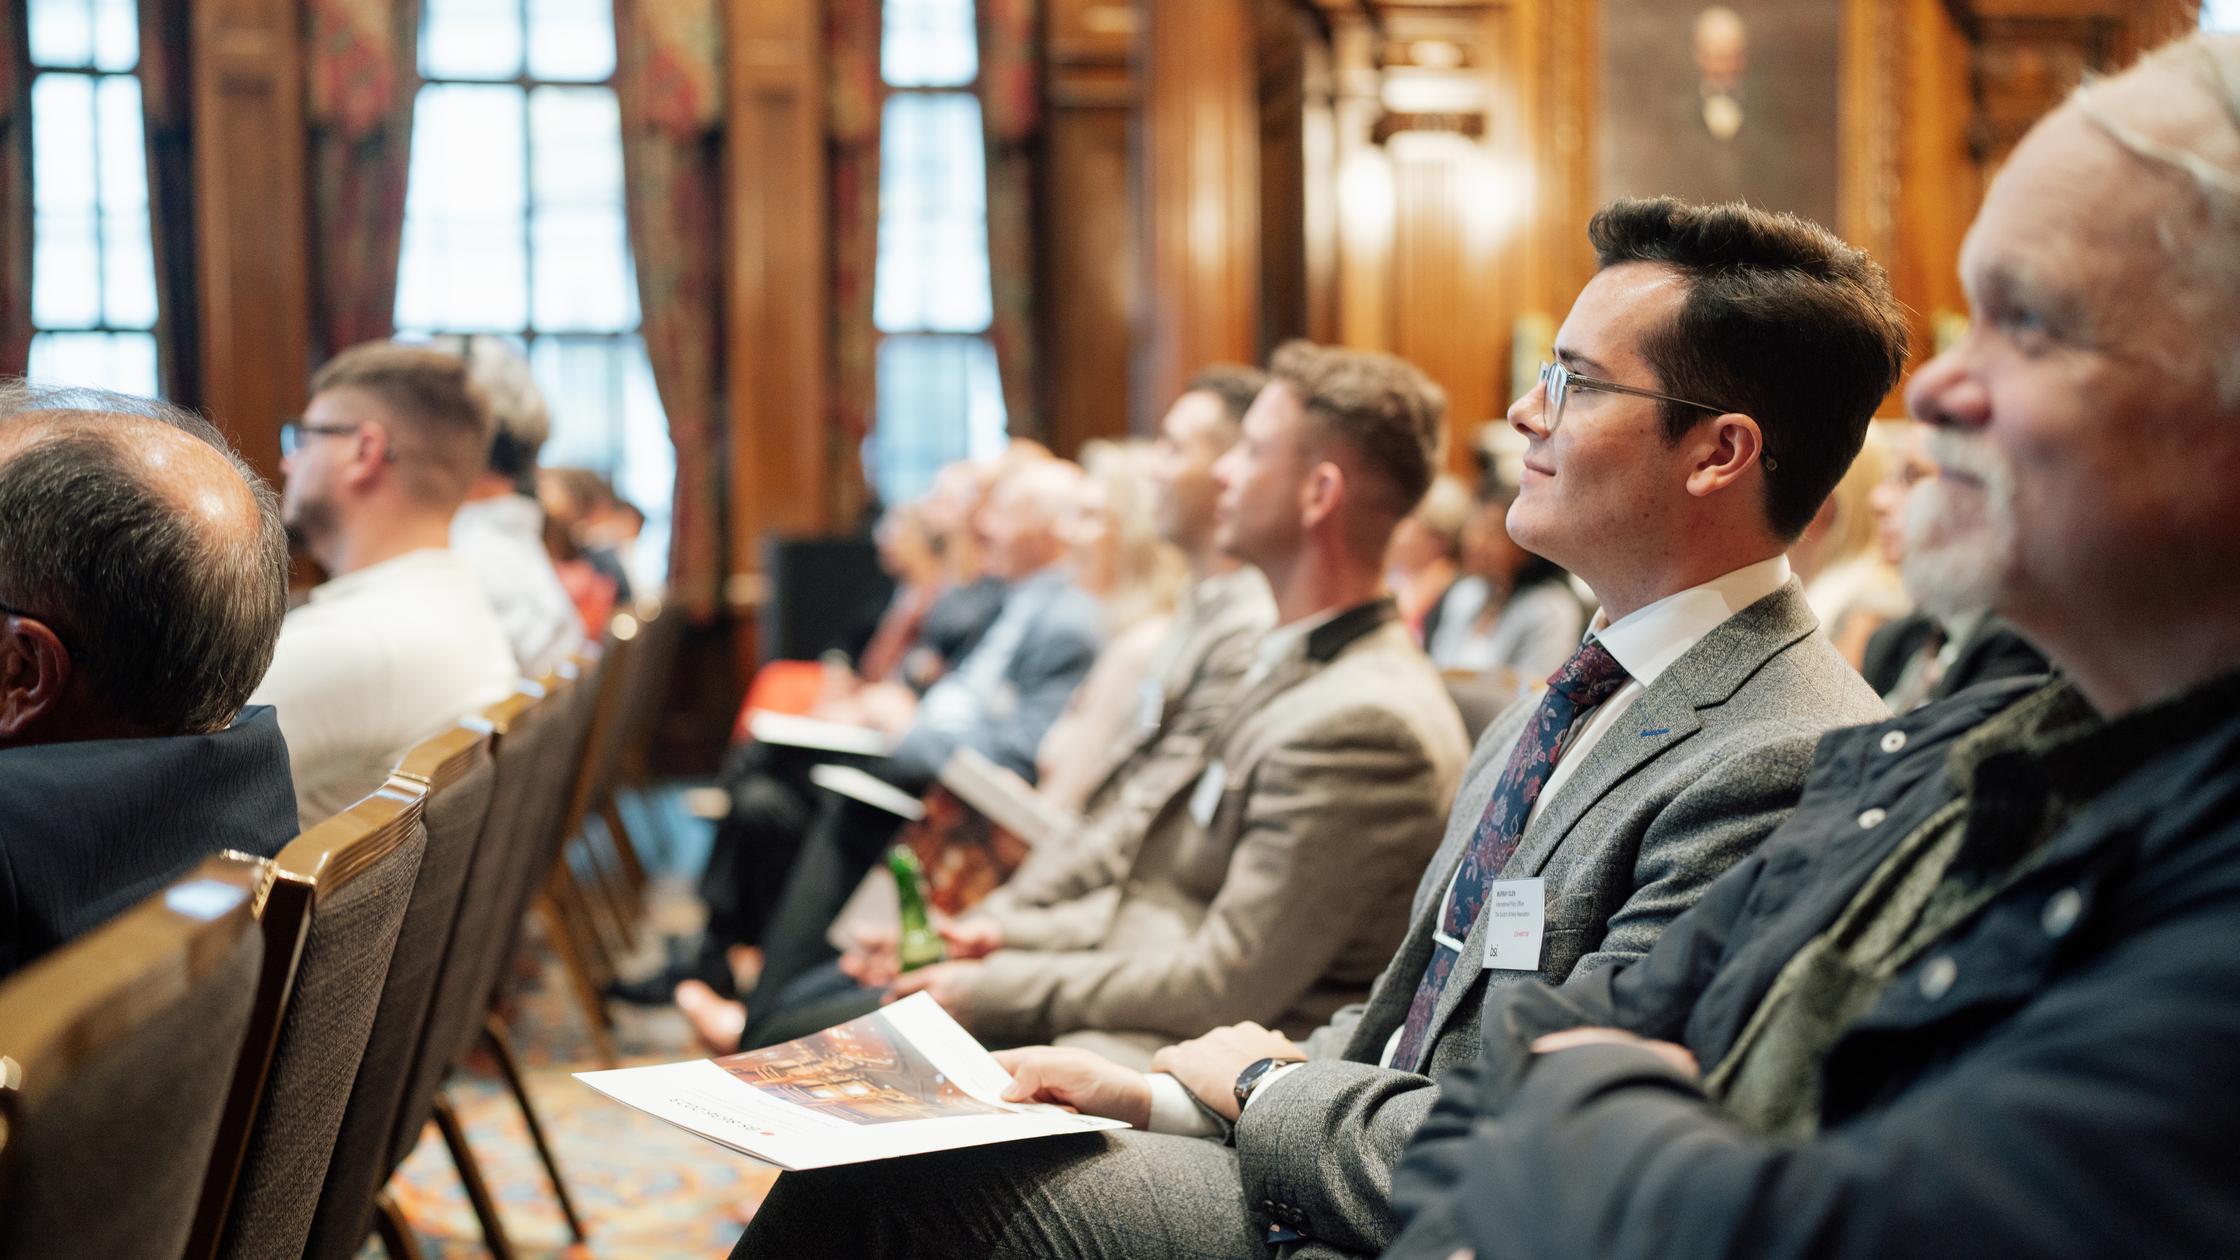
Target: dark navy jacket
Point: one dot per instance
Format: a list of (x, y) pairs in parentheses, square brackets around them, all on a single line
[(2053, 1078), (90, 827)]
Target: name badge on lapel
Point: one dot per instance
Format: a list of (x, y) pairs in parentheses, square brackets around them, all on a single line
[(1516, 918), (1206, 797), (1151, 705)]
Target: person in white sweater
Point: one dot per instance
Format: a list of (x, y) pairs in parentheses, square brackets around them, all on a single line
[(499, 530), (400, 641)]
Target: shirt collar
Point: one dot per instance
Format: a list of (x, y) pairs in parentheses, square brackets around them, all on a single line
[(1284, 640), (1649, 639), (515, 514)]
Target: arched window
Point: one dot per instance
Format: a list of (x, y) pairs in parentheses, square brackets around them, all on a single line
[(514, 226), (939, 396), (93, 276)]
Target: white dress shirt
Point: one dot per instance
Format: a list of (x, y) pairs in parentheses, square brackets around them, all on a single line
[(377, 661), (1646, 642), (502, 542)]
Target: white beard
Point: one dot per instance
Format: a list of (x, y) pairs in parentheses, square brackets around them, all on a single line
[(1960, 543)]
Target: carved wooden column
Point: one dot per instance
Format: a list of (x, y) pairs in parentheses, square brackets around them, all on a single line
[(250, 219), (1088, 262), (1201, 197), (777, 304)]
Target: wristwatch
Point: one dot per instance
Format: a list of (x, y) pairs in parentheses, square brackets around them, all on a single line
[(1249, 1079)]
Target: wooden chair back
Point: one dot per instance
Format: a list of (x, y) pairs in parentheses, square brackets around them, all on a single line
[(525, 732), (458, 773), (116, 1051), (331, 915)]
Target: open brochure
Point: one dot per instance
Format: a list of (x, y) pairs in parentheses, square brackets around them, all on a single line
[(816, 733), (1004, 798), (904, 1080)]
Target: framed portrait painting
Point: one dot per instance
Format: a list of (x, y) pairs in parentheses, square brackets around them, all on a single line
[(1739, 100)]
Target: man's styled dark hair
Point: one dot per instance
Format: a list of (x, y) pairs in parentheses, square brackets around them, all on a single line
[(173, 624), (1783, 322), (1233, 383), (1384, 406)]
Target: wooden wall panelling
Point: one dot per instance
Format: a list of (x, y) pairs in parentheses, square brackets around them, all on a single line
[(1088, 264), (1282, 36), (252, 241), (784, 466), (1201, 198)]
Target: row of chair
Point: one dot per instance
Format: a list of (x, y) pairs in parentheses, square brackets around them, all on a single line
[(236, 1067)]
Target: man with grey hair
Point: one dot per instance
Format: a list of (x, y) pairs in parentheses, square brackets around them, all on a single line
[(1978, 996), (143, 573), (499, 530)]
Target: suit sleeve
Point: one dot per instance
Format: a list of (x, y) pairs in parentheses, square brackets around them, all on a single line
[(2095, 1121), (1051, 662), (1342, 1186), (1356, 793)]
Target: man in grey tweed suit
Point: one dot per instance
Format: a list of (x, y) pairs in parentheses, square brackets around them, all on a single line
[(1669, 464)]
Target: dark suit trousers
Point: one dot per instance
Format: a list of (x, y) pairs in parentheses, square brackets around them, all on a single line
[(1093, 1196), (755, 843), (846, 840)]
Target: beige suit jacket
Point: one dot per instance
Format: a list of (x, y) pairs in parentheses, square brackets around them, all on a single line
[(1064, 895), (1275, 887)]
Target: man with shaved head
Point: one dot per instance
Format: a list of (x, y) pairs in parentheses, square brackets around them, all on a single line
[(143, 573), (1978, 996), (400, 641)]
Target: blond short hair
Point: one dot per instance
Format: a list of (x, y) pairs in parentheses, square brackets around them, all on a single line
[(444, 418)]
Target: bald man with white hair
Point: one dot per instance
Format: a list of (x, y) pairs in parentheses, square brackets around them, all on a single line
[(1978, 995)]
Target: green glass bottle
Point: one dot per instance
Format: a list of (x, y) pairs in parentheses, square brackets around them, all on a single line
[(920, 945)]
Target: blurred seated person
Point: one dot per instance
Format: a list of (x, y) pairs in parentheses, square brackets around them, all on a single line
[(966, 603), (1852, 585), (1000, 700), (400, 641), (1953, 640), (593, 574), (499, 530), (143, 574), (1992, 1014), (1274, 885), (1135, 575), (1426, 552), (1182, 694), (1511, 618)]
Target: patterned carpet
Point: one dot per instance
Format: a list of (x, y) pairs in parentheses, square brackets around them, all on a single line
[(646, 1191)]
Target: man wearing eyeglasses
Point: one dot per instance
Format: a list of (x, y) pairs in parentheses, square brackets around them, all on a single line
[(1711, 385), (400, 641), (142, 577)]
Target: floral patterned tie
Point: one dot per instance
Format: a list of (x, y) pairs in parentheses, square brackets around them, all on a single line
[(1586, 680)]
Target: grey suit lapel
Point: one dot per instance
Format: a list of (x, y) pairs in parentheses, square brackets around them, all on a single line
[(1662, 718)]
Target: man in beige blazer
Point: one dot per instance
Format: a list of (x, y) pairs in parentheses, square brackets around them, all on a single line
[(1274, 883)]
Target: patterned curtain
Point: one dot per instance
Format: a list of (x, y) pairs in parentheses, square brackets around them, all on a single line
[(1011, 102), (856, 96), (15, 191), (167, 90), (669, 76), (363, 72)]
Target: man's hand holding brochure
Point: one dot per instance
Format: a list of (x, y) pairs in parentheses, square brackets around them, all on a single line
[(905, 1080)]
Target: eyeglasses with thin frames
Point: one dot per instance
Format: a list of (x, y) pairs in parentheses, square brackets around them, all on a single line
[(1558, 380), (294, 433)]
